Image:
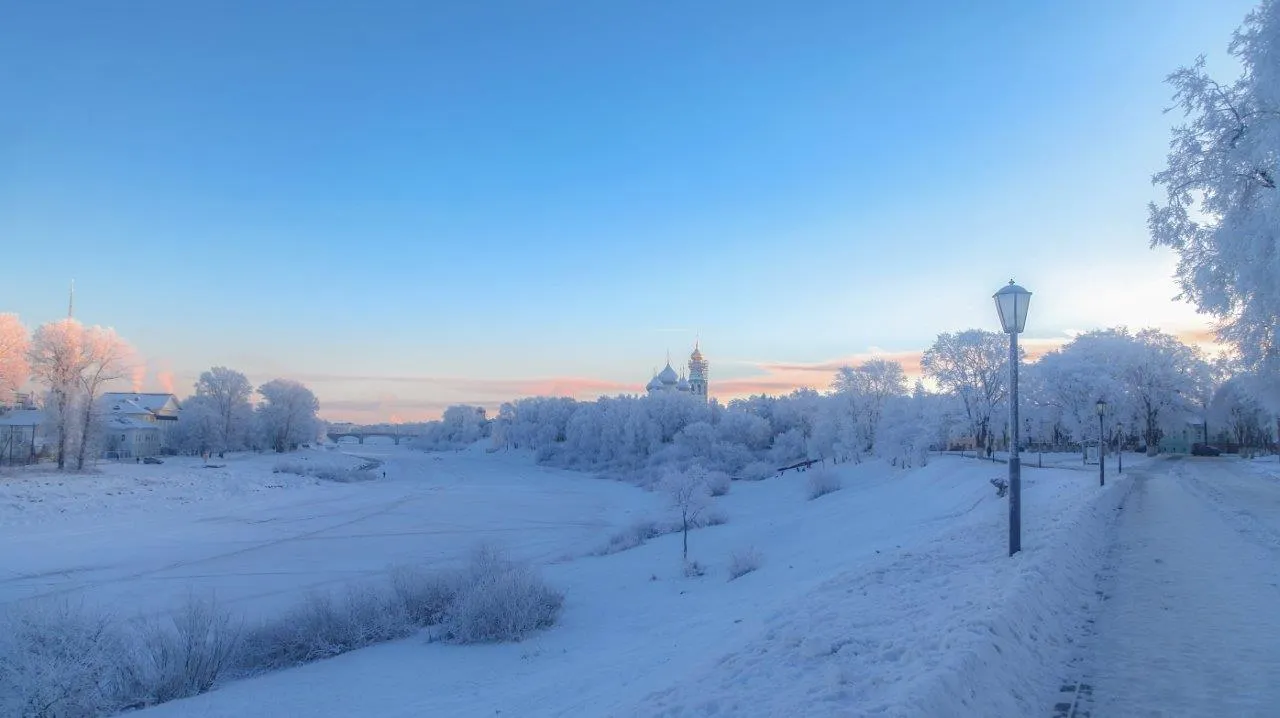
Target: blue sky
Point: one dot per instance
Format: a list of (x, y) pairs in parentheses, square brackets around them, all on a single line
[(411, 203)]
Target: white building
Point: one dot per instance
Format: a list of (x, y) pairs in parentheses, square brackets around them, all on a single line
[(695, 384), (136, 425)]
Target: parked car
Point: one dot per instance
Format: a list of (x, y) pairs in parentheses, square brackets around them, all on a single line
[(151, 460), (1205, 450)]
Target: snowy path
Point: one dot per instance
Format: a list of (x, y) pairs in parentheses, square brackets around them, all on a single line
[(1190, 626)]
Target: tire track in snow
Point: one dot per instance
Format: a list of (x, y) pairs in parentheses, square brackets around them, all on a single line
[(216, 557)]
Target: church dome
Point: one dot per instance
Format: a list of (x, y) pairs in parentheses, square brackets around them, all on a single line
[(654, 384), (683, 385), (668, 375), (696, 355)]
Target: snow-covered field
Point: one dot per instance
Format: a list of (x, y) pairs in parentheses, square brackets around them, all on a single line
[(138, 538), (893, 595)]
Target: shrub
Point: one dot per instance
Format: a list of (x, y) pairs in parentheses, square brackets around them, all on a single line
[(718, 483), (710, 517), (61, 661), (500, 600), (322, 627), (633, 535), (758, 470), (693, 569), (640, 532), (57, 660), (324, 472), (179, 656), (425, 597), (743, 562), (821, 483)]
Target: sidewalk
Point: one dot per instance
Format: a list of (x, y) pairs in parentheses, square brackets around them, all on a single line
[(1190, 624)]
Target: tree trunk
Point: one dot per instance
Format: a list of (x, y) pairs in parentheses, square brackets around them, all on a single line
[(685, 524), (62, 430), (84, 434)]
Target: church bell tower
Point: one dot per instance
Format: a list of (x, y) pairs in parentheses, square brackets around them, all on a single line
[(698, 373)]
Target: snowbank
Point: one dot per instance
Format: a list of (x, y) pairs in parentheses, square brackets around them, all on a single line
[(954, 627)]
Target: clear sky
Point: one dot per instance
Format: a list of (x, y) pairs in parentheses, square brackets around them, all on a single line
[(408, 204)]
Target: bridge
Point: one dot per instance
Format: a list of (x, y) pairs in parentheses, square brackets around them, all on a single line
[(395, 432)]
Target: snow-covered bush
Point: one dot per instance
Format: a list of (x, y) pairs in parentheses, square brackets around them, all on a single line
[(758, 470), (711, 516), (640, 532), (324, 472), (821, 483), (425, 596), (743, 562), (500, 600), (693, 569), (181, 655), (324, 626), (635, 534), (57, 660), (718, 483)]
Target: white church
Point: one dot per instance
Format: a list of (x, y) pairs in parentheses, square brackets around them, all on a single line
[(695, 383)]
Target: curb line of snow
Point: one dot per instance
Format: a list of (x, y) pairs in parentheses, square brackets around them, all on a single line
[(1019, 644)]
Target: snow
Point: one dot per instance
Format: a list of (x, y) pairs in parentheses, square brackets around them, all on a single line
[(37, 495), (894, 595), (139, 537), (1189, 626)]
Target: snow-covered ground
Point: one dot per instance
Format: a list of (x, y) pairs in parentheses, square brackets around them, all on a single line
[(1189, 626), (894, 596), (138, 538)]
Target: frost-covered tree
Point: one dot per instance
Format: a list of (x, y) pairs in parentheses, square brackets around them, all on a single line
[(199, 426), (973, 365), (75, 362), (1221, 211), (106, 358), (863, 391), (287, 414), (57, 360), (905, 434), (688, 495), (1069, 382), (1149, 380), (1242, 413), (14, 367), (1160, 375), (460, 425), (228, 392)]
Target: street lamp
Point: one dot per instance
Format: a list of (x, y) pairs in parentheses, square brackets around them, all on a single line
[(1011, 303), (1102, 444), (1120, 448)]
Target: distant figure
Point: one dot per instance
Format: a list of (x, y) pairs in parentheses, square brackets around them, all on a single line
[(384, 474)]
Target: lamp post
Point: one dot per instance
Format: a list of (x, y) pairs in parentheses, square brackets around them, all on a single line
[(1011, 304), (1120, 449), (1102, 444)]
